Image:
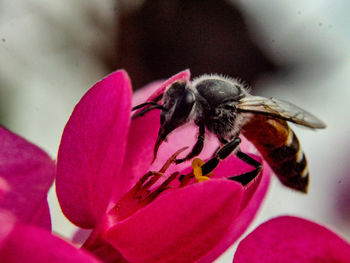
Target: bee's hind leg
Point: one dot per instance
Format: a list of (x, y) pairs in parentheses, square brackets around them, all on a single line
[(246, 178), (221, 154), (224, 152)]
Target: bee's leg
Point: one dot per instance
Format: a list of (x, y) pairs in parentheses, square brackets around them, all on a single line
[(224, 152), (221, 154), (246, 178), (197, 148), (223, 142)]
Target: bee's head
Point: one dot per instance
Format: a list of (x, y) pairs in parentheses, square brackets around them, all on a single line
[(178, 102)]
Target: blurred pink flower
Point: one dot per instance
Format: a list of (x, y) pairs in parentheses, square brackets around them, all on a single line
[(101, 160), (26, 174), (291, 239)]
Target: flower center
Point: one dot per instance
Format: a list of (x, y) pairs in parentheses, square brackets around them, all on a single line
[(142, 194)]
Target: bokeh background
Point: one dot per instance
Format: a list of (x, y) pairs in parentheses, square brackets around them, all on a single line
[(52, 52)]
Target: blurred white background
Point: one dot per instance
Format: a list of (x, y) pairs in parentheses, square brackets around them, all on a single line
[(50, 54)]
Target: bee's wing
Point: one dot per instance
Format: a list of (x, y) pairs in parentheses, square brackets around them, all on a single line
[(280, 109)]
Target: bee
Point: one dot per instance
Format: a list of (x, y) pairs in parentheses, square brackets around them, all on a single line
[(224, 107)]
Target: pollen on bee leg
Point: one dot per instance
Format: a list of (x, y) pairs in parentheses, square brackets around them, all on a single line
[(197, 170)]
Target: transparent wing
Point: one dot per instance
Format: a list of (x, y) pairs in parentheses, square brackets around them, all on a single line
[(280, 109)]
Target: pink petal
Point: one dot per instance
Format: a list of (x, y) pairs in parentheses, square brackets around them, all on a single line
[(42, 216), (179, 226), (138, 157), (7, 223), (252, 198), (4, 187), (141, 138), (92, 149), (29, 173), (141, 95), (292, 239), (30, 244)]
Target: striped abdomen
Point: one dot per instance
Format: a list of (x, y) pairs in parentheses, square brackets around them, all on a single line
[(280, 147)]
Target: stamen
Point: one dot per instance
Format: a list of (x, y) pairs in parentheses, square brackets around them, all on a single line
[(141, 194), (155, 177), (171, 159), (164, 186)]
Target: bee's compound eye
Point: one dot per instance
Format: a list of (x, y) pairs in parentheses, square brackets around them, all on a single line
[(184, 106), (177, 114), (189, 98)]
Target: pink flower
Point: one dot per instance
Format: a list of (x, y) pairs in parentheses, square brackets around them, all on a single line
[(26, 174), (292, 239), (101, 160)]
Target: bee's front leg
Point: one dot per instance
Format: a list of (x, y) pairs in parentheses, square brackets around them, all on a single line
[(197, 148)]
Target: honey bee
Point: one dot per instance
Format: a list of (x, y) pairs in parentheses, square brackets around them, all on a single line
[(223, 106)]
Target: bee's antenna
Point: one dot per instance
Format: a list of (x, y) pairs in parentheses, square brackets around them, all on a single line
[(145, 104), (145, 110)]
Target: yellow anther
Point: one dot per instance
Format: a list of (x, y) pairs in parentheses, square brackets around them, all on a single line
[(197, 170)]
